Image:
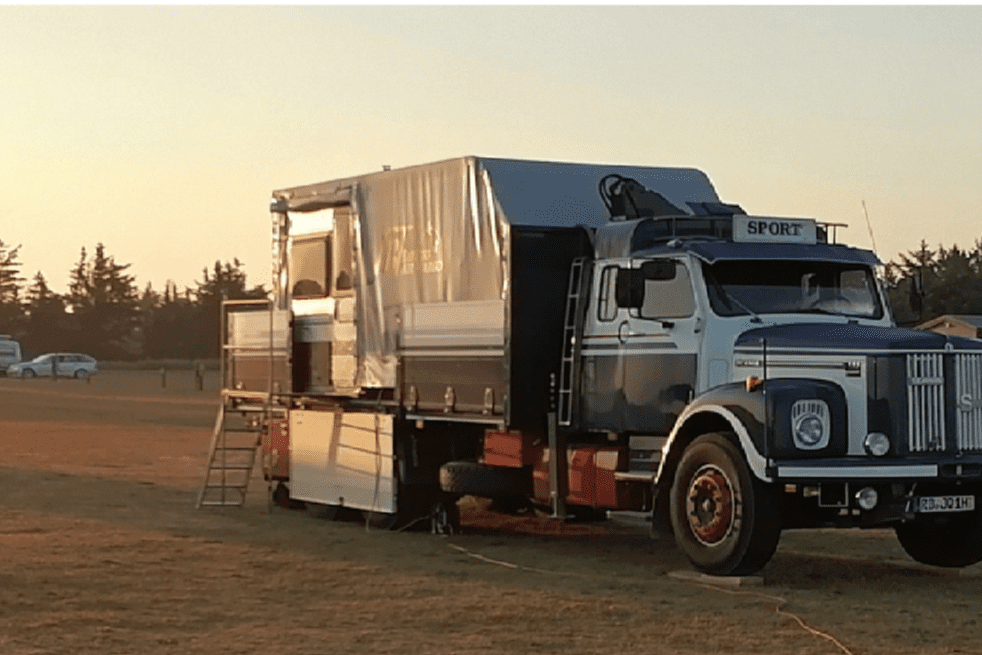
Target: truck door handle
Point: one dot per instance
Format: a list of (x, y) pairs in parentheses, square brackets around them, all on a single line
[(624, 331)]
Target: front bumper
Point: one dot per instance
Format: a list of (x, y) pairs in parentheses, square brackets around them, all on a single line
[(948, 469)]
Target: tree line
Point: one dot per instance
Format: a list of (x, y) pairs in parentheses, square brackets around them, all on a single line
[(924, 283), (105, 315)]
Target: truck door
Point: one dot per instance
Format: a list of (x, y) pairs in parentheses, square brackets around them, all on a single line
[(660, 338), (603, 352)]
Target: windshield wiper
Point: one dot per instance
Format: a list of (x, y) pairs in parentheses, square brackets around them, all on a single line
[(755, 319), (728, 298)]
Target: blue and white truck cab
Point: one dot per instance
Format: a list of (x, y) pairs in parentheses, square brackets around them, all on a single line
[(761, 357)]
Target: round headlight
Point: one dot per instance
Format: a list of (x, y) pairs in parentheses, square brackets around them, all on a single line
[(867, 498), (877, 444), (810, 424), (809, 429)]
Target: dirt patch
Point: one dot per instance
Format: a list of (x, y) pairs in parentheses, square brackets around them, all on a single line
[(103, 552)]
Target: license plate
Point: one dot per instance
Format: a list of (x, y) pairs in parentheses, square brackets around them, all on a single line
[(929, 504)]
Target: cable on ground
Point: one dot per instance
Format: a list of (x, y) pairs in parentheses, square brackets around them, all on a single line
[(779, 608)]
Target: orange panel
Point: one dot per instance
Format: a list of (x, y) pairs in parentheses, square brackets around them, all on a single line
[(279, 436), (507, 449), (591, 482), (582, 475), (606, 461)]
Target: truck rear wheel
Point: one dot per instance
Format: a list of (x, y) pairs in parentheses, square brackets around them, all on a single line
[(951, 540), (725, 520)]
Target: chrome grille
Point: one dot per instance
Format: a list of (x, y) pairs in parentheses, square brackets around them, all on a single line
[(925, 402), (968, 401)]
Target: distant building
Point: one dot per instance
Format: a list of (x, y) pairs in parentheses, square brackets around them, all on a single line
[(958, 325)]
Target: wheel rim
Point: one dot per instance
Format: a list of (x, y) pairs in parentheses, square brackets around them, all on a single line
[(709, 505)]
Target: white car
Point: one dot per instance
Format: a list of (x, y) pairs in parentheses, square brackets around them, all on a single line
[(64, 365)]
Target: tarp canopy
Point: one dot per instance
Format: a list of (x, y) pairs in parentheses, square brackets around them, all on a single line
[(440, 232)]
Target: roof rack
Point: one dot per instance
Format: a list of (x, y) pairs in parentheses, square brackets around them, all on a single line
[(707, 227)]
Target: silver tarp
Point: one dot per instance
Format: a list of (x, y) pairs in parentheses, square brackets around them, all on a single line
[(437, 236)]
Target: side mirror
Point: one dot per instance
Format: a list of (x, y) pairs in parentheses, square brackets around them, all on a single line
[(659, 269), (630, 281)]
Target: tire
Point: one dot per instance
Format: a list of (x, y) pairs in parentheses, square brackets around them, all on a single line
[(475, 479), (951, 540), (81, 374), (725, 520), (327, 512), (380, 520), (281, 498), (28, 373)]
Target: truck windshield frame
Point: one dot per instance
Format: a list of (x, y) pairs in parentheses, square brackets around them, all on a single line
[(752, 287)]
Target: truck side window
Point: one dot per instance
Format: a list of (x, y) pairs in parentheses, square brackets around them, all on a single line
[(669, 298), (310, 263), (607, 297)]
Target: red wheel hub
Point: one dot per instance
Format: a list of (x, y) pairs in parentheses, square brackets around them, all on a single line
[(709, 505)]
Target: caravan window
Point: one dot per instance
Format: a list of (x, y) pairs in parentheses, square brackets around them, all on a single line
[(310, 264)]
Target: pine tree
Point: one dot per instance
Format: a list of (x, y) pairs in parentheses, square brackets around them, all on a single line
[(104, 304), (11, 303), (169, 324), (47, 322), (227, 282)]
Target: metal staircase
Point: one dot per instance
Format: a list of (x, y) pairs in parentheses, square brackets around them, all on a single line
[(579, 284), (235, 446)]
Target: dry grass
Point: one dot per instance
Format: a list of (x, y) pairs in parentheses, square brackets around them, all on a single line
[(103, 552)]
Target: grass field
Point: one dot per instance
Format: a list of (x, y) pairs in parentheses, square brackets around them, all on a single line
[(102, 551)]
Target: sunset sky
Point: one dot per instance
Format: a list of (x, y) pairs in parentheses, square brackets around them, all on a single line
[(161, 131)]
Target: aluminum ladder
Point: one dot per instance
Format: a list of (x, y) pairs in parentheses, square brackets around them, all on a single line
[(579, 285), (235, 447)]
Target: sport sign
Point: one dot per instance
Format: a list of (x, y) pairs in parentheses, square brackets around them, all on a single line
[(754, 229)]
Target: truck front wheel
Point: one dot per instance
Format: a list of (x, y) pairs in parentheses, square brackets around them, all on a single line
[(951, 540), (725, 520)]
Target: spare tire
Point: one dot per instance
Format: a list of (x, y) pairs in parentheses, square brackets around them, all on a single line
[(476, 479)]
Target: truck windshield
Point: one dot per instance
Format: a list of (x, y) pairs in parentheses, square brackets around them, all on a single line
[(791, 287)]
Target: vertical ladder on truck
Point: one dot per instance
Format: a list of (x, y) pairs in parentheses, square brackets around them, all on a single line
[(234, 450), (579, 273)]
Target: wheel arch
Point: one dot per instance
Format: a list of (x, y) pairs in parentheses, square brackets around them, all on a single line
[(703, 418)]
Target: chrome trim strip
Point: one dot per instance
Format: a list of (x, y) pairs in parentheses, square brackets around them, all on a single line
[(476, 352), (825, 352), (854, 366), (632, 476), (454, 418), (904, 471)]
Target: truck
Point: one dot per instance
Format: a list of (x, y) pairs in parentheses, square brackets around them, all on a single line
[(587, 339)]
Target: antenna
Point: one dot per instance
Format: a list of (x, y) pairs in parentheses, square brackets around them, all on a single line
[(869, 226)]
